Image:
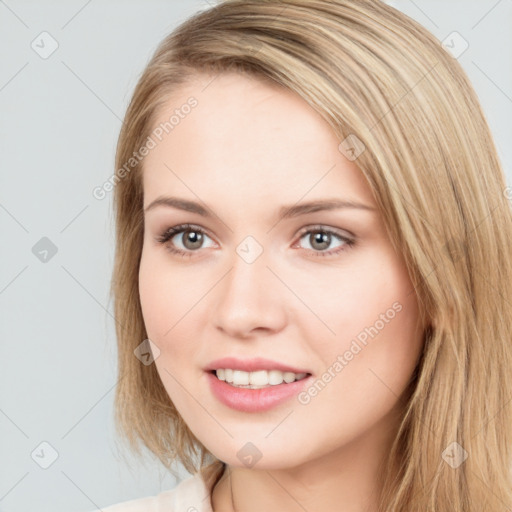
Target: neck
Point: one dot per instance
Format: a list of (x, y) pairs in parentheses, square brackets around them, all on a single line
[(303, 489)]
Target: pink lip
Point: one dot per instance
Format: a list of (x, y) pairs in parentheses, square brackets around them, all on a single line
[(251, 365), (254, 400)]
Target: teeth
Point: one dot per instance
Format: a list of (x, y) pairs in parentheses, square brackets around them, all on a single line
[(240, 378), (275, 377), (260, 378)]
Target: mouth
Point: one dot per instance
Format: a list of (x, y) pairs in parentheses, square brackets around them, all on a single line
[(257, 379)]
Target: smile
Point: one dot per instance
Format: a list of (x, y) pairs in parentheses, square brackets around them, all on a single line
[(256, 397), (258, 379)]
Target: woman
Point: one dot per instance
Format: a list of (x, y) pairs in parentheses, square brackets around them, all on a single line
[(312, 274)]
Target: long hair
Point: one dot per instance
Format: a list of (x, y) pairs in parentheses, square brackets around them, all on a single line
[(379, 78)]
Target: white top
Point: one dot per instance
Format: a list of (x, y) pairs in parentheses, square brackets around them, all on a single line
[(190, 495)]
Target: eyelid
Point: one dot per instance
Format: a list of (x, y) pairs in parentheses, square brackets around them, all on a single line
[(323, 227)]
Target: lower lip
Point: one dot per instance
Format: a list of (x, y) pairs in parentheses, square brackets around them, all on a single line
[(254, 400)]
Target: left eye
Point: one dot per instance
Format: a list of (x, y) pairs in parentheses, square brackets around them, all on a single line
[(321, 239)]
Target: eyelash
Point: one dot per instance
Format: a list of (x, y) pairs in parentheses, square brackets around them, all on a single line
[(169, 233)]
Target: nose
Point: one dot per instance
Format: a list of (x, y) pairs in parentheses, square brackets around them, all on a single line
[(250, 299)]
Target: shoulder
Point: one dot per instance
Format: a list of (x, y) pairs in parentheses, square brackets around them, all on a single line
[(190, 495)]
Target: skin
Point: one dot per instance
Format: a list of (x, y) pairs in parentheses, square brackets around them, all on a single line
[(247, 149)]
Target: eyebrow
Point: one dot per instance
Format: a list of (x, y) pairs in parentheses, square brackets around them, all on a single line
[(285, 212)]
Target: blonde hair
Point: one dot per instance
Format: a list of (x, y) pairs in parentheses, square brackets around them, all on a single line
[(431, 163)]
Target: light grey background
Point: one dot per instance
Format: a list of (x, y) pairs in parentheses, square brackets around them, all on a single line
[(60, 118)]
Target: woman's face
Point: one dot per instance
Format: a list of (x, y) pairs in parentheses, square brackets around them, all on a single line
[(260, 275)]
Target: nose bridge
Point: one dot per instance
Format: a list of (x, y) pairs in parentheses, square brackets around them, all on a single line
[(248, 297), (249, 269)]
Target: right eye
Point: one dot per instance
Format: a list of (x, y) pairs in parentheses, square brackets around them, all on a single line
[(192, 236)]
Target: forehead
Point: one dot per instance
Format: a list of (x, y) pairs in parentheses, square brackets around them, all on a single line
[(248, 137)]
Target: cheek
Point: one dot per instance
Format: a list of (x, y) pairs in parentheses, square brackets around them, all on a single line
[(163, 309), (368, 367), (149, 292), (375, 291), (161, 290), (170, 301), (157, 292), (375, 319)]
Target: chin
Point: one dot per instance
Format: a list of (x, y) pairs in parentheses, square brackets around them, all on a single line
[(254, 453)]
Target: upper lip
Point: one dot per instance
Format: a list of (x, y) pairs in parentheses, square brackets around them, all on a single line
[(252, 365)]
